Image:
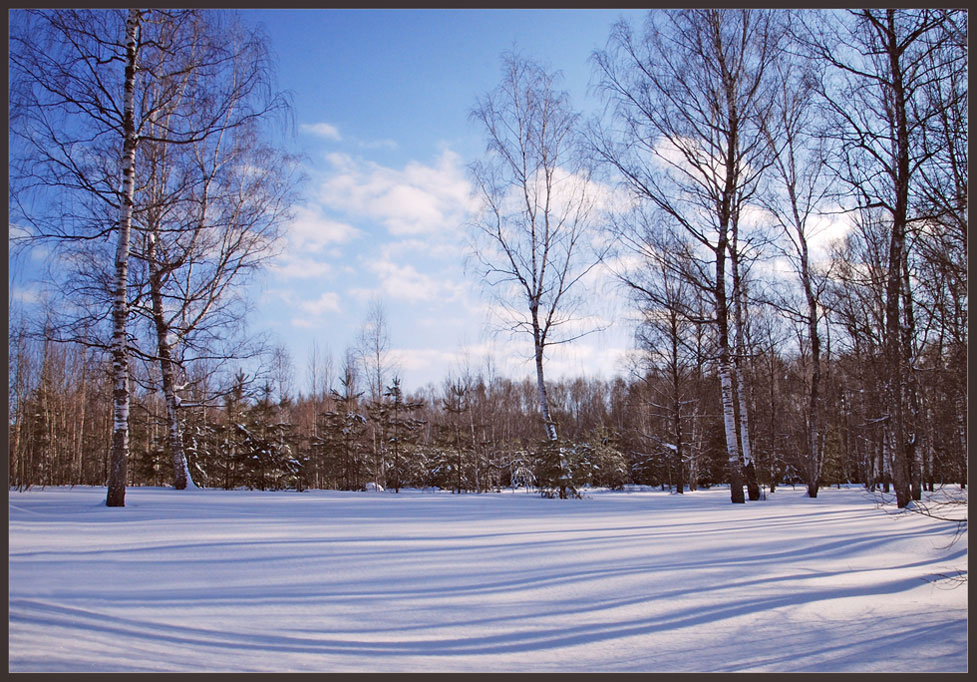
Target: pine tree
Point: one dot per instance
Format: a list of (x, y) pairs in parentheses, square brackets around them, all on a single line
[(343, 432), (402, 431)]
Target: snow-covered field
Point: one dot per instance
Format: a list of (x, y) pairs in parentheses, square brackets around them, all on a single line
[(326, 581)]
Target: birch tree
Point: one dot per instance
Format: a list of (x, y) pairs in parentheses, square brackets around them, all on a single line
[(534, 234), (373, 351), (211, 209), (687, 102), (799, 189), (102, 99), (74, 77)]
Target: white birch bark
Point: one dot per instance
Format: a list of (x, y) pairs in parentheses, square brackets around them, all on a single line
[(752, 485), (729, 422), (115, 496)]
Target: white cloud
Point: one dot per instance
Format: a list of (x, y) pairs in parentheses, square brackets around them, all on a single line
[(312, 311), (443, 249), (286, 295), (416, 200), (325, 130), (301, 268), (307, 322), (584, 359), (513, 360), (307, 238), (328, 302), (826, 232), (406, 283), (310, 230), (423, 359), (16, 232), (444, 362)]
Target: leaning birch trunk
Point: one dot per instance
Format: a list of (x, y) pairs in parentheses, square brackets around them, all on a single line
[(729, 421), (677, 406), (961, 404), (726, 378), (679, 454), (813, 410), (749, 466), (181, 472), (725, 361), (115, 496), (544, 404), (914, 432), (752, 484)]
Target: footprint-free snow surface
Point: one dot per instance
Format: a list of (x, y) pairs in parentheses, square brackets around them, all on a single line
[(644, 580)]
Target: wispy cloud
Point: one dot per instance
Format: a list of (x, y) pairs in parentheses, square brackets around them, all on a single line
[(26, 295), (404, 282), (328, 302), (310, 242), (296, 267), (313, 311), (416, 200), (311, 230), (324, 130)]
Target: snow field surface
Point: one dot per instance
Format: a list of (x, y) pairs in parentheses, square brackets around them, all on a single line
[(241, 581)]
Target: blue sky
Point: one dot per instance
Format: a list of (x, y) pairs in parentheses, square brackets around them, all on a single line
[(381, 105), (381, 111)]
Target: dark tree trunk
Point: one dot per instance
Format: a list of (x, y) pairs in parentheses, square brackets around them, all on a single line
[(897, 252)]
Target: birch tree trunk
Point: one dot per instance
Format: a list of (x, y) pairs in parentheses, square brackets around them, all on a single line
[(181, 471), (544, 403), (726, 378), (749, 467), (115, 496), (691, 97), (913, 430)]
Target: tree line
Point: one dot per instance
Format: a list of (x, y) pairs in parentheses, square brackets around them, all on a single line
[(729, 141), (476, 431)]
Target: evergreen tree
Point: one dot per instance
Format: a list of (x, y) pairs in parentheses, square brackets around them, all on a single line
[(343, 430), (402, 430)]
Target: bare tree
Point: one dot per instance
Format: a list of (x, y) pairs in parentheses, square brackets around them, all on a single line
[(75, 109), (688, 103), (880, 70), (319, 370), (75, 132), (739, 256), (799, 190), (210, 215), (373, 351), (533, 236), (666, 331)]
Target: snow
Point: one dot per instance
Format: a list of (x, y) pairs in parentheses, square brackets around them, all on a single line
[(644, 580)]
